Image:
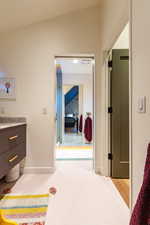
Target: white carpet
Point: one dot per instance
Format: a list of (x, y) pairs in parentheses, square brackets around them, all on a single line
[(74, 154), (83, 198), (74, 140)]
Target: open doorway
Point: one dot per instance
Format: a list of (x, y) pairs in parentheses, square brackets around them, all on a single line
[(75, 114), (117, 64)]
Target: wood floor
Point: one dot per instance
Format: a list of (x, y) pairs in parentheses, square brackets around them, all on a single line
[(123, 187)]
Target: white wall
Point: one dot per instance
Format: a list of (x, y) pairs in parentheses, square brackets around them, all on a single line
[(28, 54), (140, 83), (88, 96), (123, 39), (114, 17)]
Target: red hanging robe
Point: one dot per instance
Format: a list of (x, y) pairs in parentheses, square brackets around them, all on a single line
[(81, 124), (88, 129), (141, 212)]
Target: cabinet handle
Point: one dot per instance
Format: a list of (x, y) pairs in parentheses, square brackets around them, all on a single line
[(13, 159), (13, 137)]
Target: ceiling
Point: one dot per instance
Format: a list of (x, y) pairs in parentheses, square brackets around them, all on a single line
[(18, 13)]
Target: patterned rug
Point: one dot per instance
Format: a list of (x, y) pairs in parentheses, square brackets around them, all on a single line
[(25, 209)]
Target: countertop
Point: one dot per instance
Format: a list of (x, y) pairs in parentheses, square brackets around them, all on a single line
[(7, 125)]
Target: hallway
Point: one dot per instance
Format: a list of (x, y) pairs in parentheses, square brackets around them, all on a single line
[(74, 140), (82, 198), (74, 148), (74, 153)]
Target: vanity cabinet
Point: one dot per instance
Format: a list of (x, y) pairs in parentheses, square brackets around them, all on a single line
[(12, 147)]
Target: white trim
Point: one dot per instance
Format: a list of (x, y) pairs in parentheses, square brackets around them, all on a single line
[(92, 57), (130, 105), (74, 56), (39, 170), (95, 148), (107, 163)]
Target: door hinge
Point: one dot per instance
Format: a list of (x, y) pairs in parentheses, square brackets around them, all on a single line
[(110, 109), (110, 64), (110, 157)]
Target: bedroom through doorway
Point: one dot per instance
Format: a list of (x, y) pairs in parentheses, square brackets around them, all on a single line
[(74, 108)]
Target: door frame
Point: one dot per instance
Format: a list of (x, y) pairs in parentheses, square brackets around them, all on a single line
[(80, 56), (107, 150), (107, 70)]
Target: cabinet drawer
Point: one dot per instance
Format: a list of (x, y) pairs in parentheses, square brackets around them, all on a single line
[(9, 159), (11, 137)]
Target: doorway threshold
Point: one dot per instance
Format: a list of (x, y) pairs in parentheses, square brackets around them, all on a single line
[(64, 159)]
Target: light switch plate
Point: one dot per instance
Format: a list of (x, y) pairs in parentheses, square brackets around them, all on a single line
[(141, 104)]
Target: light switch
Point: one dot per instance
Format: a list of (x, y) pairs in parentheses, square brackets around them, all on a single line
[(142, 104)]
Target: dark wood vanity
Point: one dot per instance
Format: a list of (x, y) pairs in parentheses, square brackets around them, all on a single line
[(12, 147)]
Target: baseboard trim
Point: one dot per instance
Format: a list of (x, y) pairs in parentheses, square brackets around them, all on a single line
[(39, 170)]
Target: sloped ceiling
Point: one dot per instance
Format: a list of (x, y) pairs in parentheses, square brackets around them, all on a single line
[(18, 13)]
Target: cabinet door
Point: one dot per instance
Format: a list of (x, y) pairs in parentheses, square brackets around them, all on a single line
[(11, 137), (11, 158)]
